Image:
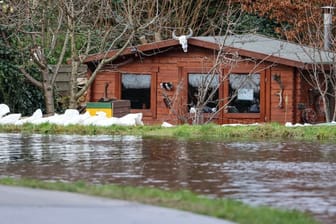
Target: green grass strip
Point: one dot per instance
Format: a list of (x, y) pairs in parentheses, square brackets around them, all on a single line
[(273, 131), (184, 200)]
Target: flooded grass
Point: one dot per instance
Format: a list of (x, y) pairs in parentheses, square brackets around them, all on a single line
[(185, 200), (265, 131)]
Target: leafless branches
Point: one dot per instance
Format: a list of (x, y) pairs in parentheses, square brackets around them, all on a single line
[(320, 75)]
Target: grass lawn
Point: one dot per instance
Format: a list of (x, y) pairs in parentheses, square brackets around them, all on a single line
[(271, 131), (184, 200)]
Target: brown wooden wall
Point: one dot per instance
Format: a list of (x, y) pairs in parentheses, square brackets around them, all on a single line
[(172, 66), (286, 111), (306, 100)]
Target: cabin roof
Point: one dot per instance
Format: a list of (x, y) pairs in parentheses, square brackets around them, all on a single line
[(249, 45), (273, 47)]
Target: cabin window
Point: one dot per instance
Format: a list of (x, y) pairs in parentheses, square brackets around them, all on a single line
[(137, 89), (203, 85), (244, 92)]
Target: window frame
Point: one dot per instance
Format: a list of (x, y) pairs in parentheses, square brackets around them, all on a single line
[(263, 89), (188, 84), (151, 112), (183, 76), (242, 100)]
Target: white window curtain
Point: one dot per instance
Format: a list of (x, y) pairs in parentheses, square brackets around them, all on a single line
[(197, 80), (136, 81), (242, 81)]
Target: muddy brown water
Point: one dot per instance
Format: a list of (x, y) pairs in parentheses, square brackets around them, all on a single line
[(296, 175)]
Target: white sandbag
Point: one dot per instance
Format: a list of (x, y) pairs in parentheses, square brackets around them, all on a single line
[(107, 122), (4, 109), (40, 121), (71, 116), (166, 125), (131, 120), (10, 119), (71, 113), (55, 119), (83, 117), (138, 119), (50, 119), (126, 122), (93, 119), (36, 115)]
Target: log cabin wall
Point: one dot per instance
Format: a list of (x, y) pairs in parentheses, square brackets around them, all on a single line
[(163, 68), (308, 99), (282, 105), (296, 96), (174, 65), (97, 90)]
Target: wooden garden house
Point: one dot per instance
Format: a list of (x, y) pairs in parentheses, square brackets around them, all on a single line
[(254, 79)]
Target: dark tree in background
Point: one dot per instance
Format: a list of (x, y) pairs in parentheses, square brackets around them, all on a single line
[(15, 91)]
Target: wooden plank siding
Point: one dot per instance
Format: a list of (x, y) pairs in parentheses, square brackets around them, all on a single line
[(286, 113)]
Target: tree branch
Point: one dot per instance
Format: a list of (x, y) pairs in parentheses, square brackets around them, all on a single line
[(54, 34), (31, 78), (61, 57), (106, 60)]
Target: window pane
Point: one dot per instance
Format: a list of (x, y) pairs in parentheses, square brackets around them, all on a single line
[(137, 89), (244, 93), (208, 84)]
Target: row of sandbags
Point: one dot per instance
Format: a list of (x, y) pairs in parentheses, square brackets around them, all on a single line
[(70, 116)]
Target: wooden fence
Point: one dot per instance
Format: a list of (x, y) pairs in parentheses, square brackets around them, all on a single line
[(63, 78)]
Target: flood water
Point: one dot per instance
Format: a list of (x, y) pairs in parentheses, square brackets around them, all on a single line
[(298, 175)]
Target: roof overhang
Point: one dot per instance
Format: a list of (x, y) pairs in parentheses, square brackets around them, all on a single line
[(132, 50), (247, 53), (199, 42)]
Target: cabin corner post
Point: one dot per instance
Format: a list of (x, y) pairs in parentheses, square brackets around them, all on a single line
[(117, 85), (154, 93), (296, 80)]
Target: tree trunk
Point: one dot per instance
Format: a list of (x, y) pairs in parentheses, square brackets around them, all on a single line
[(48, 92), (334, 110), (327, 108), (199, 116), (73, 85)]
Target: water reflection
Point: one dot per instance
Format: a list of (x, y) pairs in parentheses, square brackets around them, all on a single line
[(286, 174)]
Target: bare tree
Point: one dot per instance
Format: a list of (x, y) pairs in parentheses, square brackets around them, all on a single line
[(132, 18), (52, 32), (320, 74), (35, 26)]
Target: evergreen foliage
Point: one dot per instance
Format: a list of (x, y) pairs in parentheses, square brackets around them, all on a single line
[(15, 91), (261, 25)]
